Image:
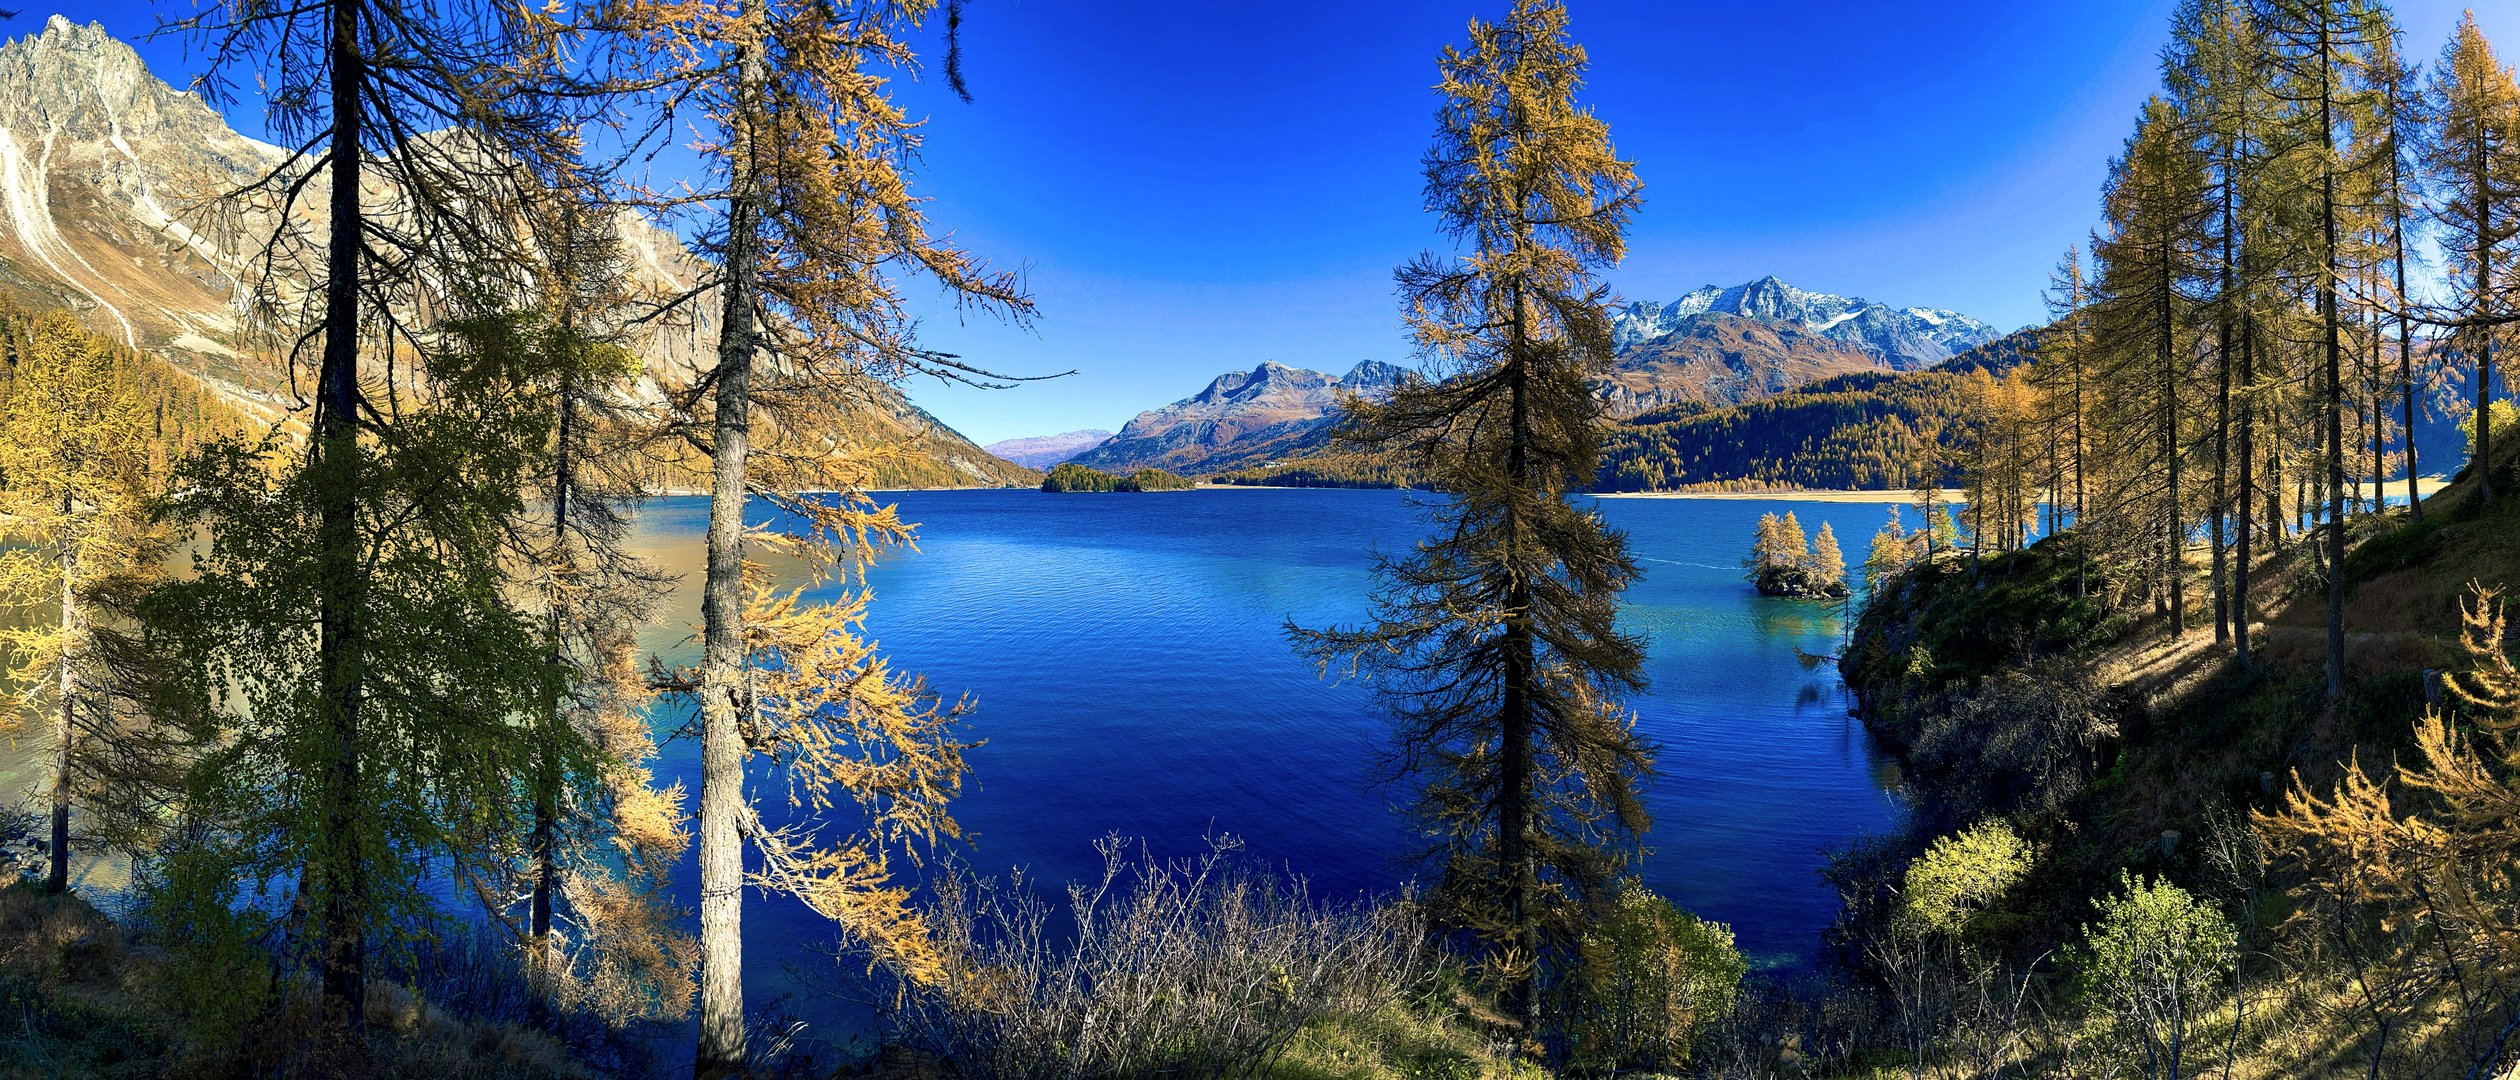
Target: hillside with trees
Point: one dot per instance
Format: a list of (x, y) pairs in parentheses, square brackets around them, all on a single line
[(2204, 774)]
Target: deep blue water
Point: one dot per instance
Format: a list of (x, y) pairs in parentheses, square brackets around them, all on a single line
[(1127, 657)]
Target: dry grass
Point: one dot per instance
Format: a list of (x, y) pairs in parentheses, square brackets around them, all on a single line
[(1191, 968)]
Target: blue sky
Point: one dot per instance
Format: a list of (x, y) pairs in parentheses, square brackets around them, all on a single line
[(1194, 188)]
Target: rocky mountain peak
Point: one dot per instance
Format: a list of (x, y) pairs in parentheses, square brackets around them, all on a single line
[(1368, 374), (1241, 418), (1903, 338), (79, 81)]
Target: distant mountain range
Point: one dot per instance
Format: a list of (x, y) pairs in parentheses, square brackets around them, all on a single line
[(1242, 418), (1043, 451), (1712, 348), (1902, 338), (101, 164)]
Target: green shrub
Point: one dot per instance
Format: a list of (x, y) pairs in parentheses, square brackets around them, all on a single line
[(1649, 978), (2157, 964), (2506, 424), (218, 981), (1963, 875)]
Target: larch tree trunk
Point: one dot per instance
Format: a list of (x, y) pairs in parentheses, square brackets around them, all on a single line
[(2243, 521), (2334, 345), (2221, 515), (1513, 809), (65, 729), (2175, 536), (546, 839), (2405, 335), (342, 625), (722, 700), (2480, 463)]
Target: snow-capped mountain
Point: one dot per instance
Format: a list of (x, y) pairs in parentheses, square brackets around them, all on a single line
[(1711, 347), (1904, 338)]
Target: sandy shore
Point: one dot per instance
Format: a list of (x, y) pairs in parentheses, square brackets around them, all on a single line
[(2395, 488), (1815, 495)]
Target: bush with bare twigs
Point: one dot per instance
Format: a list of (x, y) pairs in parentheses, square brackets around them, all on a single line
[(1201, 967)]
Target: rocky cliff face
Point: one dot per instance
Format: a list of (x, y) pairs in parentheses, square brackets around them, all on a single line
[(1242, 418), (111, 180), (106, 173)]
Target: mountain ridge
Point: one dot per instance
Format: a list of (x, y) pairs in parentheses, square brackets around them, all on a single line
[(107, 174), (1713, 348), (1905, 338), (1240, 418), (1044, 451)]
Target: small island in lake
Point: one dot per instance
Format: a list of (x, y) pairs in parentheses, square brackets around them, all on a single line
[(1075, 477), (1783, 563)]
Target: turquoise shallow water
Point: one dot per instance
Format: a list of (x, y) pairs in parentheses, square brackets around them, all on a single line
[(1127, 656)]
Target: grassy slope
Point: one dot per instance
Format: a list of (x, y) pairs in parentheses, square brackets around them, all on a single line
[(2195, 738)]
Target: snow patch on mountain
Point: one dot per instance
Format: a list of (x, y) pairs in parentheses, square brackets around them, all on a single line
[(1911, 337), (1044, 451)]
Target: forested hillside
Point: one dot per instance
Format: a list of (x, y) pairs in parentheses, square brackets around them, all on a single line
[(2215, 776), (1874, 430), (1871, 429), (180, 411)]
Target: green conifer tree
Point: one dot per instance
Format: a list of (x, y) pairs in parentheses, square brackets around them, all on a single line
[(2471, 157), (1495, 647), (356, 611), (74, 452)]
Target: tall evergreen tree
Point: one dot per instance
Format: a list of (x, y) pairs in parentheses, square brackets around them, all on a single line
[(2063, 373), (2156, 209), (600, 838), (75, 484), (2211, 73), (2063, 370), (2390, 148), (1495, 647), (2314, 47), (419, 128), (2471, 159), (2001, 448), (1828, 561)]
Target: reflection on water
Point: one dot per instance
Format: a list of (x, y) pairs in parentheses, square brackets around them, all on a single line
[(1128, 659)]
